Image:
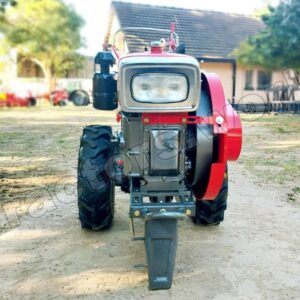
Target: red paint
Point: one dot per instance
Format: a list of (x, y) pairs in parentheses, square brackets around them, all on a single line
[(172, 27), (156, 50), (120, 162), (216, 178), (164, 118), (200, 120), (228, 134), (175, 118), (57, 96), (234, 133), (13, 100), (118, 117)]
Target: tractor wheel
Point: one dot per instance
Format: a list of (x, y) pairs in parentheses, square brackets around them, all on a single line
[(32, 102), (96, 191), (80, 98), (212, 212), (62, 102)]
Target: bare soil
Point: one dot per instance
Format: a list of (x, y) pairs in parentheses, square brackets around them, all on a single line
[(253, 254)]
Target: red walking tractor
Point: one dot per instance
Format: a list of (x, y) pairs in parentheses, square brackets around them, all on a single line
[(177, 133)]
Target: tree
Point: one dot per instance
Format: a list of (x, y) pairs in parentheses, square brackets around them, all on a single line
[(277, 46), (47, 32), (5, 3)]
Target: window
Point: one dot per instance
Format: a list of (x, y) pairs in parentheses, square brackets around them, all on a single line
[(249, 80), (263, 79)]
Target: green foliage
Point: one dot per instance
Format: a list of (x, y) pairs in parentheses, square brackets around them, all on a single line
[(46, 32), (5, 3), (277, 46)]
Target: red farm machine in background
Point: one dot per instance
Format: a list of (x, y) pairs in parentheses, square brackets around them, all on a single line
[(57, 98), (176, 136), (30, 97), (13, 100)]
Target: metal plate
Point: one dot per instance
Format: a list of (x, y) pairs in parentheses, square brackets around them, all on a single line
[(164, 152)]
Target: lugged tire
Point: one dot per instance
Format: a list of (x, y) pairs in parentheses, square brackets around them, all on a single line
[(79, 98), (96, 190), (212, 212)]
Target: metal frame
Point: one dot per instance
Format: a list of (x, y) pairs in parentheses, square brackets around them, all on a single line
[(130, 66), (184, 205), (144, 29)]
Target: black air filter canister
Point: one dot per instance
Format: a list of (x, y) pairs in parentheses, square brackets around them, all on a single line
[(104, 83)]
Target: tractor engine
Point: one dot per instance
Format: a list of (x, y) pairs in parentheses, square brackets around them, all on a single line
[(177, 132), (154, 154)]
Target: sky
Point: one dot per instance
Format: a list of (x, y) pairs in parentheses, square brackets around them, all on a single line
[(96, 14)]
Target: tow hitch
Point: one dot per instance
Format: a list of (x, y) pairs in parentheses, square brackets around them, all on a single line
[(160, 238)]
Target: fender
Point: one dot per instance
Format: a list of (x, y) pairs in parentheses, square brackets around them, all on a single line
[(228, 134)]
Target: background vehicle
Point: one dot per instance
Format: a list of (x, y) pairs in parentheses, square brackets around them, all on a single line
[(79, 97), (27, 92), (13, 99), (57, 98), (177, 134)]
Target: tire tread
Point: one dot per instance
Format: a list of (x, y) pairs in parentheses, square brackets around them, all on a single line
[(211, 212), (95, 189)]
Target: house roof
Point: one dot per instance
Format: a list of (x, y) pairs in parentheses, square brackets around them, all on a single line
[(206, 34)]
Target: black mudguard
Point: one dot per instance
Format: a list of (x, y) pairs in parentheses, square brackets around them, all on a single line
[(161, 236)]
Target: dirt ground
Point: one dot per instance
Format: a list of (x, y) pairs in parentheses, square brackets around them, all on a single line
[(253, 254)]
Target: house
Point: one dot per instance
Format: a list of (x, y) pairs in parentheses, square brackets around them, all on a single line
[(28, 69), (209, 36), (21, 74)]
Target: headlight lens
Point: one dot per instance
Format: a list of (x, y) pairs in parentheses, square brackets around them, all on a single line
[(159, 87)]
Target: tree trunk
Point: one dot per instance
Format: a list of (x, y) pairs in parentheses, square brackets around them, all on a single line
[(51, 82), (48, 74)]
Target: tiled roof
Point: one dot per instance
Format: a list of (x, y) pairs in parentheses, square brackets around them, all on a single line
[(205, 33)]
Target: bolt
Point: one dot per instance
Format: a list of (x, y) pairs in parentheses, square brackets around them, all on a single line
[(120, 162), (188, 212), (219, 120)]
